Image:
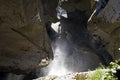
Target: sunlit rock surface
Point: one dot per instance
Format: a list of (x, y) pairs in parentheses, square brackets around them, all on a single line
[(99, 74), (109, 73), (72, 76)]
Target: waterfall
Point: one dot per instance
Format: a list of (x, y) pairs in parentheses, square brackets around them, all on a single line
[(57, 65), (60, 49)]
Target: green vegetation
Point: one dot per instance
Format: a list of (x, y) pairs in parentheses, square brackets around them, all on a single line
[(105, 73), (97, 75), (102, 73)]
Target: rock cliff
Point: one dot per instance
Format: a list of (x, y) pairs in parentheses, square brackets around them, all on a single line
[(23, 38), (106, 26)]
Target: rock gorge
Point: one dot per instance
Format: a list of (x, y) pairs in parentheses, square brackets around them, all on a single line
[(25, 40)]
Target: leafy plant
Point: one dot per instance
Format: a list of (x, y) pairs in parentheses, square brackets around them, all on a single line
[(105, 73), (97, 75)]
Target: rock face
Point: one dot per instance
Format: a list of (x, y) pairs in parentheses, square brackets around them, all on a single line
[(23, 37), (106, 26)]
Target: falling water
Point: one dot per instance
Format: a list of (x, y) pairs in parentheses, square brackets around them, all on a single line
[(57, 66), (59, 46)]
